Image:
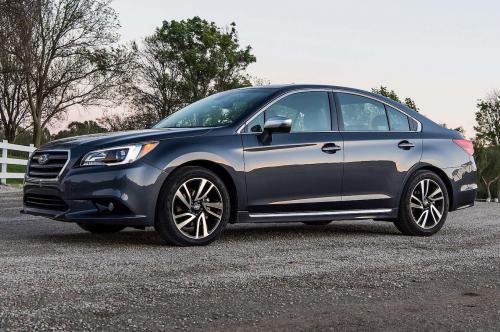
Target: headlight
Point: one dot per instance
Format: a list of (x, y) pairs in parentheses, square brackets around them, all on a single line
[(118, 155)]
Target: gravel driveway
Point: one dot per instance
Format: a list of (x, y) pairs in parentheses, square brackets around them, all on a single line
[(349, 275)]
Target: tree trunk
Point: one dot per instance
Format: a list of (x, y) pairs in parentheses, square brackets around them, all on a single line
[(498, 189), (487, 185), (37, 133), (10, 134)]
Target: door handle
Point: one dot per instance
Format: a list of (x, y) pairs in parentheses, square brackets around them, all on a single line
[(330, 148), (406, 145)]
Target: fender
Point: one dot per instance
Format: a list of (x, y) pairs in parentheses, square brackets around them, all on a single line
[(226, 152)]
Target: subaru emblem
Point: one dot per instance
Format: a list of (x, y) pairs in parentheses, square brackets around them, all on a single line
[(43, 159)]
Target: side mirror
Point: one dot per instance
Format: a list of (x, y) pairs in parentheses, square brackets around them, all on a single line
[(276, 124)]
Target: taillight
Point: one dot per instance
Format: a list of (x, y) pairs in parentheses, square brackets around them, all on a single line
[(466, 145)]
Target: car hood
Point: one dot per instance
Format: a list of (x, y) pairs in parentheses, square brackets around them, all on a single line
[(123, 137)]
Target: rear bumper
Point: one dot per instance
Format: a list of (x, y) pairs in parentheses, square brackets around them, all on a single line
[(86, 195), (464, 185), (466, 197)]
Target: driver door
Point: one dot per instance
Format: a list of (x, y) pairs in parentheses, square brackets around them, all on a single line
[(296, 171)]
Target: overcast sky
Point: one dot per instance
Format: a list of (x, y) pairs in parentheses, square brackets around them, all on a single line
[(444, 54)]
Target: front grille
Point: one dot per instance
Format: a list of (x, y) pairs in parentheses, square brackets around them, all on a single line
[(47, 202), (47, 164)]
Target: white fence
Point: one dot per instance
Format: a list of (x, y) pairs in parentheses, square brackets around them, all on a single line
[(5, 160)]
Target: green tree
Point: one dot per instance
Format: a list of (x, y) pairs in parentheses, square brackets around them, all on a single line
[(384, 91), (488, 120), (77, 128), (460, 129), (25, 136), (134, 120), (182, 62), (488, 165)]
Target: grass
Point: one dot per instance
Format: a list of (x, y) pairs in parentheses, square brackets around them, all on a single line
[(16, 168)]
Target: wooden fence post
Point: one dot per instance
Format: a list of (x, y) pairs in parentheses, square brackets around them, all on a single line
[(4, 165)]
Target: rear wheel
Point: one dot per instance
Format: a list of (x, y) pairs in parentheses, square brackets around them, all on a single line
[(101, 229), (424, 205), (193, 207)]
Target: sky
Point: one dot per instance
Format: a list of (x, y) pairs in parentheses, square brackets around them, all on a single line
[(444, 54)]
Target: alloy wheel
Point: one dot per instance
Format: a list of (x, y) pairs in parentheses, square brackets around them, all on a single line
[(427, 203), (197, 208)]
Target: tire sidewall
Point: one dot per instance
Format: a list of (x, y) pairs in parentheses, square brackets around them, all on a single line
[(165, 223), (405, 209)]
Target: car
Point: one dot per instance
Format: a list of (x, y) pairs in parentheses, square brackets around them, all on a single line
[(278, 153)]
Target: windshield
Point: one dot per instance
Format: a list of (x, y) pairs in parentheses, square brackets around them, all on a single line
[(221, 109)]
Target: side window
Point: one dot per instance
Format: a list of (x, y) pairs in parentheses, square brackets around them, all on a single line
[(309, 111), (362, 114), (397, 120), (413, 124), (256, 125)]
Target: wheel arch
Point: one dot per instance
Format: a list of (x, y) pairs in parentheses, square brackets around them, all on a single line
[(222, 173), (439, 172)]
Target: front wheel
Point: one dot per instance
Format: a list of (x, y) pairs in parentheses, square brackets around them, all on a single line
[(193, 207), (424, 205)]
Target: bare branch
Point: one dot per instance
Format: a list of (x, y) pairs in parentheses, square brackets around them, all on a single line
[(68, 53)]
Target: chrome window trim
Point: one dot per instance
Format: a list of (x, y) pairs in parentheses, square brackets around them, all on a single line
[(271, 102), (322, 213), (40, 180)]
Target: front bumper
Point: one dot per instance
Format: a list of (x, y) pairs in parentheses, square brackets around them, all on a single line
[(85, 194)]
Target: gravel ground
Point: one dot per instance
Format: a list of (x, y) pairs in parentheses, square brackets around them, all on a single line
[(8, 189), (349, 275)]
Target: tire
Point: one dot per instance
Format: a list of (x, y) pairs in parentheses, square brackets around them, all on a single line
[(424, 205), (101, 229), (317, 223), (188, 216)]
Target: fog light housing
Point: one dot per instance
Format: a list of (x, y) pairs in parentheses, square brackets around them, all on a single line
[(110, 206)]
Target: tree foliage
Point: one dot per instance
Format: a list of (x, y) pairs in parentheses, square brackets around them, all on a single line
[(488, 120), (384, 91), (488, 165), (135, 120), (69, 55), (182, 62), (460, 129), (25, 136), (77, 128)]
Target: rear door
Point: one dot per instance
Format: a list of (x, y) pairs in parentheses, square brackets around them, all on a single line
[(300, 170), (381, 144)]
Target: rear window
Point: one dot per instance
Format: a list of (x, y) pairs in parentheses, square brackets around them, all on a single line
[(397, 120)]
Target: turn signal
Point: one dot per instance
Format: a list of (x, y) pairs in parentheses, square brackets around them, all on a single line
[(147, 148)]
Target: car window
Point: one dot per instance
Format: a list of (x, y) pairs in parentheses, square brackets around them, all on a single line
[(256, 125), (362, 114), (397, 120), (220, 109), (309, 111)]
